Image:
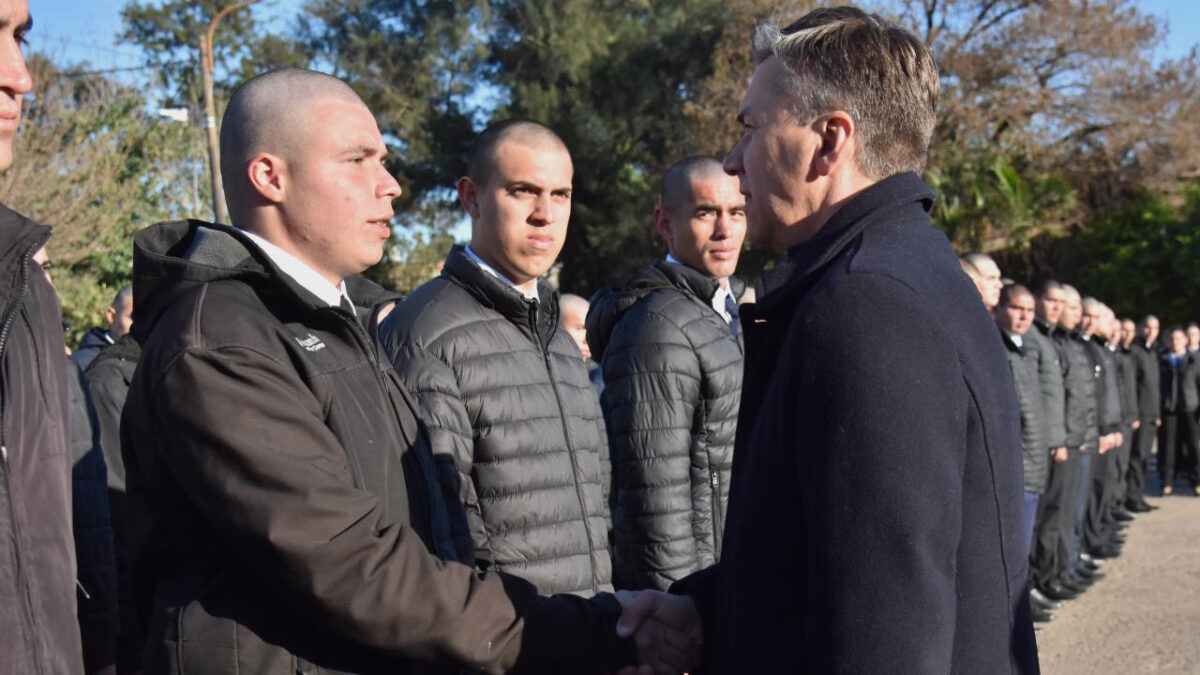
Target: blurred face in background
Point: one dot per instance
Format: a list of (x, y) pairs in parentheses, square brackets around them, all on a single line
[(1072, 312), (1016, 316), (1178, 342), (1050, 305), (1150, 328)]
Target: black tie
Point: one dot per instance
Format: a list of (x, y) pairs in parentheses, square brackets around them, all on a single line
[(731, 308), (345, 304)]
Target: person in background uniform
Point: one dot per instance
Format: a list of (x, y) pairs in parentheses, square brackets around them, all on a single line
[(1014, 317), (1180, 387), (1145, 351), (1100, 535), (989, 282), (671, 347), (119, 316)]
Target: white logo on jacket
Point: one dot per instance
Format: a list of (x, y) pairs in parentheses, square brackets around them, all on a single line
[(312, 343)]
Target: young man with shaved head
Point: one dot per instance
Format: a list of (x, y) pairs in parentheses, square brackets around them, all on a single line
[(515, 424), (287, 510), (671, 347), (39, 632), (989, 282)]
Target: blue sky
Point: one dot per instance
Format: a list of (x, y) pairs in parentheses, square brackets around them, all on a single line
[(86, 29)]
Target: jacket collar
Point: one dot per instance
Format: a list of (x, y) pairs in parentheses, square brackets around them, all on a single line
[(493, 293), (1010, 343), (689, 280), (171, 258), (804, 262)]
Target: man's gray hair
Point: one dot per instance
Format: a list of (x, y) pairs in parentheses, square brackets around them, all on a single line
[(842, 58)]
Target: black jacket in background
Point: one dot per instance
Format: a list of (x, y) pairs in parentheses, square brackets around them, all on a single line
[(283, 497), (1180, 385), (514, 422), (1039, 339), (875, 522), (1127, 374), (108, 378), (94, 341), (1149, 395), (673, 374), (97, 573), (1108, 393), (1024, 363), (1079, 382), (39, 634)]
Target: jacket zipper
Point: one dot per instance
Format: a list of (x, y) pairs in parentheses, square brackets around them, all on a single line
[(5, 330), (715, 481), (562, 415), (9, 318), (368, 346)]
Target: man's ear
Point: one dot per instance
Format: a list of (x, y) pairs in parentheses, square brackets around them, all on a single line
[(109, 315), (662, 224), (838, 140), (268, 177), (468, 196)]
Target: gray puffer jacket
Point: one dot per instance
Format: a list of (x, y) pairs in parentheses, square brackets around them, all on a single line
[(673, 383), (515, 424), (1023, 361), (1080, 381)]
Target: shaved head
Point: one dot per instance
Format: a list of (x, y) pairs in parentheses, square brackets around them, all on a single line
[(482, 159), (677, 181), (266, 114)]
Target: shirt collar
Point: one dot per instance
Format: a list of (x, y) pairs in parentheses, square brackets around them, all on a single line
[(530, 294), (718, 298), (1015, 338), (301, 273)]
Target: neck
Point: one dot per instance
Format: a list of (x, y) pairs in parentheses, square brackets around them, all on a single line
[(842, 187), (277, 234)]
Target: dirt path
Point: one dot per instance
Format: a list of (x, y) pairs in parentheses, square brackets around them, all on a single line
[(1144, 617)]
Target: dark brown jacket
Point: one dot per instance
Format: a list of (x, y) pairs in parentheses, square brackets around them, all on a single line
[(38, 630), (285, 489)]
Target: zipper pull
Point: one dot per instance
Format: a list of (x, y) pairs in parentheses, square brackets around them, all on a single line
[(4, 454), (713, 479), (83, 590)]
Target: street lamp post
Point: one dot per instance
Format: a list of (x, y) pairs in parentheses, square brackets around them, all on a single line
[(220, 211)]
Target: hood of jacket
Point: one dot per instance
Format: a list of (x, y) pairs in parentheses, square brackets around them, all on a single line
[(172, 259)]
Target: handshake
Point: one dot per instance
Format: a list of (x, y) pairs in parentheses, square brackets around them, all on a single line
[(667, 630)]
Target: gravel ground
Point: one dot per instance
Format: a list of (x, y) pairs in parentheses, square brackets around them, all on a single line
[(1144, 617)]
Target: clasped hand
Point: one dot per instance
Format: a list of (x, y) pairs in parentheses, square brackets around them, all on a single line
[(667, 630)]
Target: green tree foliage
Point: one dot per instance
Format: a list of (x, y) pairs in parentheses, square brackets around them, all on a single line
[(90, 162)]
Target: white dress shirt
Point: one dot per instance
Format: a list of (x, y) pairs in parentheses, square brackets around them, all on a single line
[(301, 273)]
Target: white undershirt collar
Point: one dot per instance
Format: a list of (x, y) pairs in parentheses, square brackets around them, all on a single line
[(301, 273)]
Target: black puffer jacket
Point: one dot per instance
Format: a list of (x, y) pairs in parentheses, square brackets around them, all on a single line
[(39, 632), (1079, 381), (1023, 361), (108, 380), (673, 374), (514, 421), (289, 493), (1108, 392), (1050, 373), (1127, 370), (1149, 395), (97, 573)]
